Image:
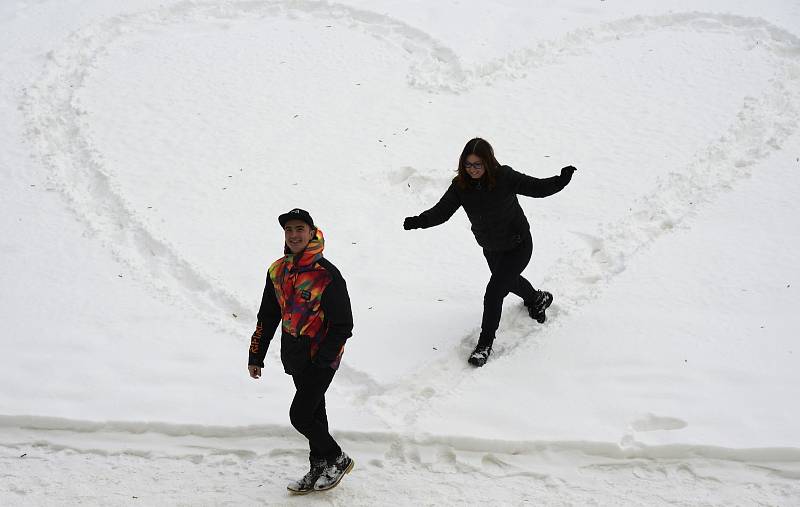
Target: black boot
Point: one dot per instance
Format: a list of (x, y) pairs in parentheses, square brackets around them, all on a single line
[(306, 483), (480, 355), (333, 472), (537, 307)]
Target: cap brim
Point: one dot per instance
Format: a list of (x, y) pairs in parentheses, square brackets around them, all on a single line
[(292, 216)]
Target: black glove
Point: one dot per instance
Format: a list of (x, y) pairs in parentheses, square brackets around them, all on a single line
[(566, 173), (413, 223)]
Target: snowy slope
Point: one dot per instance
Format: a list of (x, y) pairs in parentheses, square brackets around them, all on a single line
[(148, 147)]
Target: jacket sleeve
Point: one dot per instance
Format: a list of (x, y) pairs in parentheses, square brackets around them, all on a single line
[(442, 210), (523, 184), (339, 319), (269, 316)]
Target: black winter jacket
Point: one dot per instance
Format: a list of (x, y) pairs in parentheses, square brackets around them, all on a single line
[(497, 219)]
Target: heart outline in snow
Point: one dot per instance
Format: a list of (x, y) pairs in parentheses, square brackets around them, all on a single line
[(54, 127)]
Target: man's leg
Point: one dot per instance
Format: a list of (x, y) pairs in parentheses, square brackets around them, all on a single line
[(321, 422), (307, 413), (308, 416)]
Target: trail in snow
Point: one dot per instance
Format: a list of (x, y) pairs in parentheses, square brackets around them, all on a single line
[(115, 463), (55, 127), (110, 463), (762, 126)]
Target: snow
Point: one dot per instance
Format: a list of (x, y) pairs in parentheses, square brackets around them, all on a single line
[(147, 148)]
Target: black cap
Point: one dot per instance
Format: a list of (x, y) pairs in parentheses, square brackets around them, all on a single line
[(296, 214)]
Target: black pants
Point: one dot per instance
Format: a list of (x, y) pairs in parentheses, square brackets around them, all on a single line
[(506, 268), (307, 412)]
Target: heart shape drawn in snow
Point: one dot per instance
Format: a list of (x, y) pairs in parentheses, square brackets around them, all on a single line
[(92, 141)]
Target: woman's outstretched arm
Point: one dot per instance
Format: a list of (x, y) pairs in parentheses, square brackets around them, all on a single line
[(540, 187), (437, 215)]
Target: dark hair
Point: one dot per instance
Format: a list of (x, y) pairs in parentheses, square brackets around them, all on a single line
[(482, 149)]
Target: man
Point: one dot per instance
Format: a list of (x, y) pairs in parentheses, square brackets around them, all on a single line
[(308, 296)]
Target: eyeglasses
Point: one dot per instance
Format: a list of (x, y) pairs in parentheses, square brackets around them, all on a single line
[(473, 165)]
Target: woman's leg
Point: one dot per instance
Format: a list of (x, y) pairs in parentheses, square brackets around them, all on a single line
[(523, 289), (506, 268)]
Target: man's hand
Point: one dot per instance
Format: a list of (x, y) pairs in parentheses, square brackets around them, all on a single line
[(255, 371)]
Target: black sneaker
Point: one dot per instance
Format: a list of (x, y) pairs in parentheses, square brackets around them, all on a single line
[(334, 472), (536, 308), (306, 484), (480, 355)]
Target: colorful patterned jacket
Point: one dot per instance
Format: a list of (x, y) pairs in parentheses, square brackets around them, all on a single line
[(307, 295)]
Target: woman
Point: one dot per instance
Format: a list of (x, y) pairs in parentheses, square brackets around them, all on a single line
[(488, 192)]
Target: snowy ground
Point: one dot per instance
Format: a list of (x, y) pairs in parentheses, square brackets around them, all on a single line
[(147, 147)]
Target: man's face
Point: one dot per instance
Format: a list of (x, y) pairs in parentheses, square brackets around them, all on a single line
[(298, 234)]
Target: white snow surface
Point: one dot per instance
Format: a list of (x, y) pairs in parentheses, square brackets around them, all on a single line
[(147, 147)]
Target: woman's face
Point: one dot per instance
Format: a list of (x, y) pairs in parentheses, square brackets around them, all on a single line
[(474, 166)]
